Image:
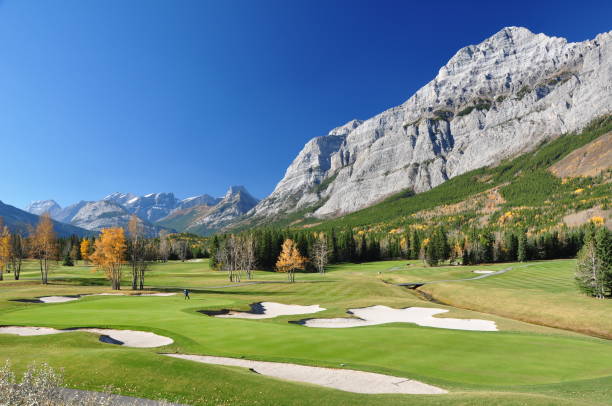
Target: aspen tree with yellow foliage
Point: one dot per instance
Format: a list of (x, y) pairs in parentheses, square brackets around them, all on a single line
[(43, 245), (290, 259), (85, 245), (5, 250), (109, 254)]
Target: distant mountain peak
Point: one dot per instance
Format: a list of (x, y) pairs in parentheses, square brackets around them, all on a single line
[(39, 207), (236, 189)]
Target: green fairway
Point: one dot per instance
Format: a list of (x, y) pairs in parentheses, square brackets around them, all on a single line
[(520, 364), (543, 293)]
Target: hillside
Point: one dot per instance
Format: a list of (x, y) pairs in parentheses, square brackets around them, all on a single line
[(18, 221), (522, 191)]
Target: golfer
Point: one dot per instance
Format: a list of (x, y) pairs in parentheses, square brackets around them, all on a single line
[(186, 292)]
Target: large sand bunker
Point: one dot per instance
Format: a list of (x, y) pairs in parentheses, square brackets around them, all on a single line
[(344, 379), (266, 310), (128, 338), (423, 316)]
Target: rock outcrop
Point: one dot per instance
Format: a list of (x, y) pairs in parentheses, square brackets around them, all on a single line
[(491, 101)]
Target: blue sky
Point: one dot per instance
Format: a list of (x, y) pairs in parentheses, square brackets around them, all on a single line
[(193, 96)]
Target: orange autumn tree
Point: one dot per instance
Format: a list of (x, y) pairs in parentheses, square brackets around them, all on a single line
[(44, 245), (109, 254), (290, 259), (85, 249), (5, 250)]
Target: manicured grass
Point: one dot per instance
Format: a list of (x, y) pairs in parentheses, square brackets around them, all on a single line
[(542, 292), (522, 364)]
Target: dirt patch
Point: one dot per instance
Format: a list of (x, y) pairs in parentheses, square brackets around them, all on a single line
[(584, 216), (589, 160)]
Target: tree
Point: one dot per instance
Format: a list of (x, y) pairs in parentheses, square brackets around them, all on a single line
[(603, 246), (290, 259), (593, 264), (18, 253), (5, 250), (85, 246), (248, 258), (164, 246), (44, 245), (137, 252), (321, 252), (109, 254), (521, 254), (67, 260)]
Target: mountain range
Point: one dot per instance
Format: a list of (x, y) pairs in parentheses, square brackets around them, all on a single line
[(491, 101), (202, 214)]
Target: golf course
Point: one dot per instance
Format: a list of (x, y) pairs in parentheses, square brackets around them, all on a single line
[(549, 345)]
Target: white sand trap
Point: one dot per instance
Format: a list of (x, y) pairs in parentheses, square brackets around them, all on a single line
[(128, 338), (422, 316), (270, 309), (62, 299), (485, 272), (344, 379), (57, 299)]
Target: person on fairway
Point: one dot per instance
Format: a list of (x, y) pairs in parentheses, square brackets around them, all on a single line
[(186, 292)]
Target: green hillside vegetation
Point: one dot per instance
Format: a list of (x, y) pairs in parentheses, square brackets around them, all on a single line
[(526, 181)]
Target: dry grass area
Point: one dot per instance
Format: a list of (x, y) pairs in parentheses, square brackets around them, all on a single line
[(584, 216), (589, 160)]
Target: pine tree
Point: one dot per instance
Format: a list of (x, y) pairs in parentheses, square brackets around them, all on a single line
[(521, 255), (603, 248)]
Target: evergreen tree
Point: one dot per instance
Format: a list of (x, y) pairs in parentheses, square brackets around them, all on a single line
[(67, 260), (521, 255)]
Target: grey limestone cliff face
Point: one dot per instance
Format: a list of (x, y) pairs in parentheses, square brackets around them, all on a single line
[(493, 100)]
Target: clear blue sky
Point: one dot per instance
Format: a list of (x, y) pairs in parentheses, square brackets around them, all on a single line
[(193, 96)]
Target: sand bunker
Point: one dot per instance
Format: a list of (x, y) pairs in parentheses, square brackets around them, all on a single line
[(128, 338), (63, 299), (344, 379), (484, 272), (57, 299), (268, 310), (422, 316)]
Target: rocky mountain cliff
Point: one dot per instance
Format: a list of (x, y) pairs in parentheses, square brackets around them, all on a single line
[(204, 219), (493, 100)]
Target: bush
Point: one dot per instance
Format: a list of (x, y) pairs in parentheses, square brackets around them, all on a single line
[(41, 385)]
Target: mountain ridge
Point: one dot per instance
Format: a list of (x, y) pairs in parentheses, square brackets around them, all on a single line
[(156, 210), (514, 82)]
